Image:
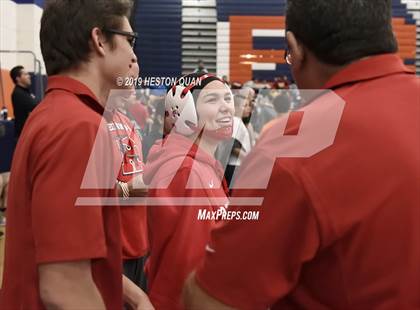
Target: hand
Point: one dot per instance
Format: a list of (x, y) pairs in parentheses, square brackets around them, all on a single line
[(142, 303), (145, 304)]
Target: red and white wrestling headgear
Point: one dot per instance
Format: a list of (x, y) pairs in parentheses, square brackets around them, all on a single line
[(180, 102)]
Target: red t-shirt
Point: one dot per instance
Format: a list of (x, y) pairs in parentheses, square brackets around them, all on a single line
[(139, 113), (43, 223), (340, 229), (128, 146)]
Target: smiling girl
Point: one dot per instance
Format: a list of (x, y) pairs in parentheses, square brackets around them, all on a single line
[(184, 177)]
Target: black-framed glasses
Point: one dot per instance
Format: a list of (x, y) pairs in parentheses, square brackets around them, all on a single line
[(131, 36), (287, 57)]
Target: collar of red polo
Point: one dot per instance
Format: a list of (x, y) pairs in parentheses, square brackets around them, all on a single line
[(73, 86), (367, 69)]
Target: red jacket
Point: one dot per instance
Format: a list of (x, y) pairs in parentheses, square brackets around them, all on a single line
[(178, 169)]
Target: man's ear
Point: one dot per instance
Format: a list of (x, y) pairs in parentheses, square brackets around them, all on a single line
[(296, 50), (98, 41)]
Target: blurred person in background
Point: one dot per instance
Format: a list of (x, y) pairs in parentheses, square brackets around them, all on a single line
[(248, 95), (137, 111), (232, 152), (282, 103), (264, 110), (156, 131), (128, 144), (23, 100), (201, 67), (226, 80)]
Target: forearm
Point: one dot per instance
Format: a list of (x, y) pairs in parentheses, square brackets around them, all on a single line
[(134, 296), (195, 298), (67, 295), (69, 286), (78, 299)]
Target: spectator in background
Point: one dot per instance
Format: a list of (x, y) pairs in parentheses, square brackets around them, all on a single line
[(282, 104), (22, 100), (137, 111), (124, 131), (201, 67), (264, 110), (248, 110), (226, 79), (232, 152), (281, 82), (156, 130)]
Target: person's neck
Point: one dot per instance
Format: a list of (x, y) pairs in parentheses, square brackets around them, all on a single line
[(92, 79), (22, 85), (328, 72), (208, 145), (320, 72)]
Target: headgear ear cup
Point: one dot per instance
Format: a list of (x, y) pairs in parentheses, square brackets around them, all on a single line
[(181, 110)]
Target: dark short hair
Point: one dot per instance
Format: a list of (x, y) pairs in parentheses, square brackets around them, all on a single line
[(66, 27), (341, 31), (16, 72), (282, 103)]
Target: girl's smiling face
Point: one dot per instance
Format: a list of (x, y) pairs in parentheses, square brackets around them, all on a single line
[(215, 106)]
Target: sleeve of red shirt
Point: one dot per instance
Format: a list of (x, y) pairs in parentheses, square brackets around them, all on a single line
[(134, 218), (256, 263), (177, 241), (140, 114), (63, 231)]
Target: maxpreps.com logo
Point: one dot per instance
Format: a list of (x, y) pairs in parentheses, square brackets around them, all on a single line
[(223, 214)]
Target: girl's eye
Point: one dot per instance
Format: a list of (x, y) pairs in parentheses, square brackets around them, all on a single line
[(211, 100)]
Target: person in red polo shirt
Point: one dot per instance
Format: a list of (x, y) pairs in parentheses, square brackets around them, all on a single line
[(63, 254), (339, 229), (128, 146)]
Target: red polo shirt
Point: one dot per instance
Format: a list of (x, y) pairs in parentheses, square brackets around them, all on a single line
[(341, 229), (43, 223)]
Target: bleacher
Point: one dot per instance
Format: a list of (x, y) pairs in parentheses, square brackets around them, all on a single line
[(159, 24), (244, 54)]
